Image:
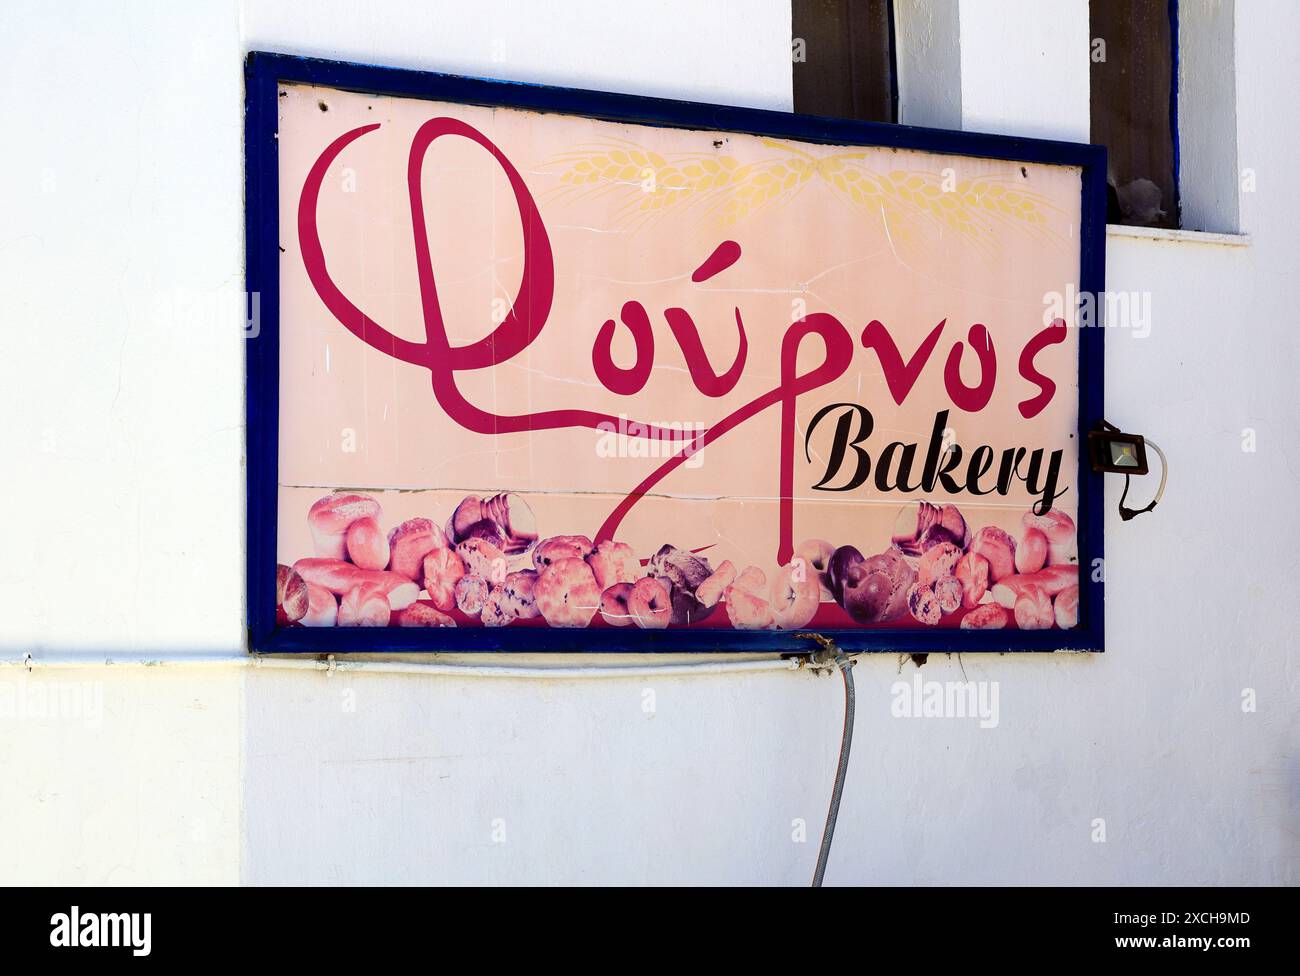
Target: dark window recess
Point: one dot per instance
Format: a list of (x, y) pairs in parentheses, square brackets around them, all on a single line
[(1134, 107), (843, 52)]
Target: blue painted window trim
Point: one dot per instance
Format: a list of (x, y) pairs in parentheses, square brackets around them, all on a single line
[(892, 16), (1174, 67), (263, 74)]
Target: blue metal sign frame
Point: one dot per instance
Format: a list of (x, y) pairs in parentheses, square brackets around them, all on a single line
[(263, 74)]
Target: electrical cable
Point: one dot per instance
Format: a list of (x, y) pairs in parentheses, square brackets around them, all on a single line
[(841, 769), (154, 661), (1128, 513)]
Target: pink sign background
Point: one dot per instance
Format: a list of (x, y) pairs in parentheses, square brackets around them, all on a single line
[(909, 261)]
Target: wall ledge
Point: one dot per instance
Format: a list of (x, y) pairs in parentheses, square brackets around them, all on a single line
[(1166, 234)]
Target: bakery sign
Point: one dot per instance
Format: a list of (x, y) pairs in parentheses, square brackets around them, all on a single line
[(536, 368)]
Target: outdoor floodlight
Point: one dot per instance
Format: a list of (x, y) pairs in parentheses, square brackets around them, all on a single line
[(1112, 450)]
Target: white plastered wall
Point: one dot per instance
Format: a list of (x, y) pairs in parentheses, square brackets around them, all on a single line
[(126, 499)]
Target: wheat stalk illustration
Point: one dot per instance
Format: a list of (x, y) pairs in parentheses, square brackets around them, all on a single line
[(727, 192)]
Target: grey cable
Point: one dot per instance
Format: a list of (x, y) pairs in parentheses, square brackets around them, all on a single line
[(1126, 513), (846, 670)]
